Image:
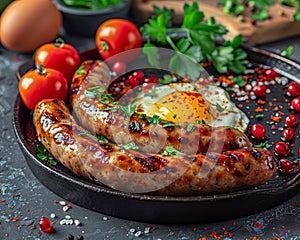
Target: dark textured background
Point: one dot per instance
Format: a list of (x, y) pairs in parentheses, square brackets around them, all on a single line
[(23, 200)]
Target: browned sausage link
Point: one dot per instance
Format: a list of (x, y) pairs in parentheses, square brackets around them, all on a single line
[(133, 171), (97, 117)]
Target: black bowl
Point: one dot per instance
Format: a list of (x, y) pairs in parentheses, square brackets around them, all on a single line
[(147, 207), (85, 22)]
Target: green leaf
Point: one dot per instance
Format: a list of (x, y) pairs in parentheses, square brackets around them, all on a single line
[(184, 66), (260, 16), (151, 51), (166, 79)]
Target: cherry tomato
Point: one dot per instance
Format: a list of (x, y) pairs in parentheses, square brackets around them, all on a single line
[(40, 84), (258, 131), (115, 36), (59, 56)]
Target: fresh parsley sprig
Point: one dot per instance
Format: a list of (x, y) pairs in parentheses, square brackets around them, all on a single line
[(198, 46)]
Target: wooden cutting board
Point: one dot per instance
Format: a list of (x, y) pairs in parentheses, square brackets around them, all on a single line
[(279, 26)]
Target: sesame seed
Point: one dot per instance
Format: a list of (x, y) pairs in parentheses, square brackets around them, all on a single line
[(138, 233), (77, 222), (67, 217), (105, 218), (63, 203), (63, 222), (52, 215)]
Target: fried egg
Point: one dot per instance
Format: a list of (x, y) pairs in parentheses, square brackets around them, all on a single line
[(192, 103)]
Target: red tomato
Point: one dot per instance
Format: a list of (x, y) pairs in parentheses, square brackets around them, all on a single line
[(59, 56), (40, 84), (115, 36)]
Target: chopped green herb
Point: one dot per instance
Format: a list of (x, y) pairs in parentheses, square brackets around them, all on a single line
[(171, 125), (137, 125), (94, 92), (262, 145), (260, 115), (220, 108), (151, 93), (129, 110), (130, 146), (112, 109), (270, 122), (170, 150), (190, 127), (154, 119), (288, 51), (44, 155), (80, 70)]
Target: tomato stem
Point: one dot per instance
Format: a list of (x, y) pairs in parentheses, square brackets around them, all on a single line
[(59, 42), (103, 46), (41, 69)]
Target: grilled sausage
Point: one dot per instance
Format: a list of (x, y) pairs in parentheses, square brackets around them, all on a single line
[(134, 171), (101, 116)]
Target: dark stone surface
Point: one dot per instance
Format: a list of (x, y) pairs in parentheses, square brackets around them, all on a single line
[(23, 200)]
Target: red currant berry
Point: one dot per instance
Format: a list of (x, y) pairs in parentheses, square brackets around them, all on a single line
[(45, 225), (260, 90), (290, 121), (288, 133), (281, 148), (132, 81), (119, 67), (138, 75), (258, 131), (271, 74), (295, 104), (286, 165), (293, 89), (151, 79)]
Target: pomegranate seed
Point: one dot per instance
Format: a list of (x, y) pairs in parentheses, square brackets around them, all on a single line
[(293, 89), (290, 121), (119, 67), (260, 90), (151, 79), (286, 165), (295, 104), (288, 133), (258, 130), (45, 225), (271, 74), (281, 148)]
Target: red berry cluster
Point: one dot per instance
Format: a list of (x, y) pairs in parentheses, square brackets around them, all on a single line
[(282, 149)]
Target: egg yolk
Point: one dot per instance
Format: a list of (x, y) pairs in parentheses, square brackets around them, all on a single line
[(183, 107)]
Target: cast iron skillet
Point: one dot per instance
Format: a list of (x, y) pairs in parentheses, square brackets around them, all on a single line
[(151, 208)]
